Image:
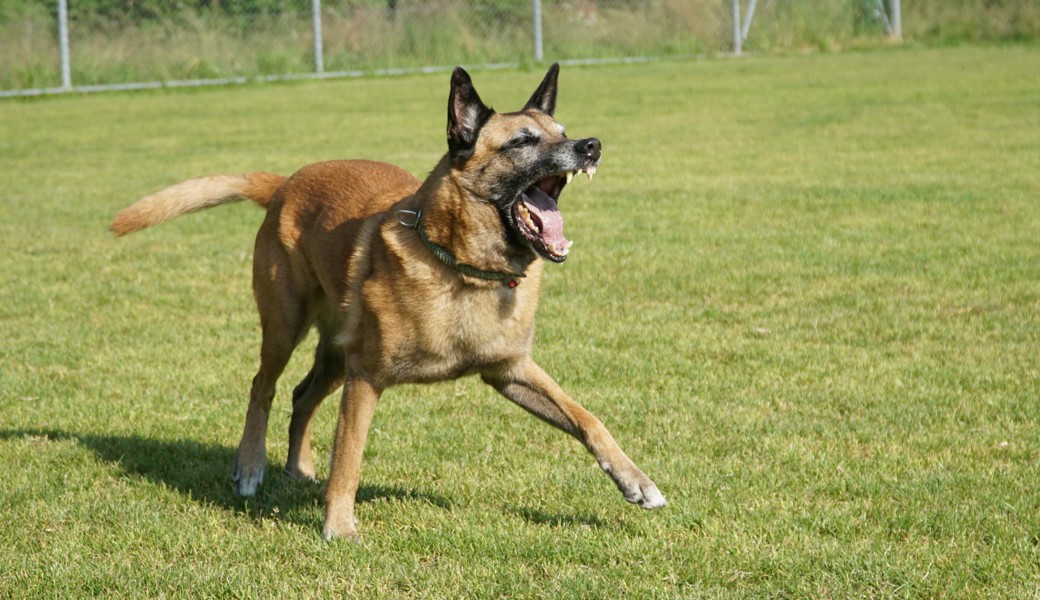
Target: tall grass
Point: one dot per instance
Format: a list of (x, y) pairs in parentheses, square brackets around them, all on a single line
[(965, 21), (193, 44)]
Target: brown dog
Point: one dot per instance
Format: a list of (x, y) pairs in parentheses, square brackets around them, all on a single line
[(407, 282)]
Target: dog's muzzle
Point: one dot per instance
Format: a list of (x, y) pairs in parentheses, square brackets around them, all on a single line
[(537, 211)]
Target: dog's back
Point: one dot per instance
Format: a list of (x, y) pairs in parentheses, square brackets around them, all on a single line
[(316, 212), (325, 196), (316, 217)]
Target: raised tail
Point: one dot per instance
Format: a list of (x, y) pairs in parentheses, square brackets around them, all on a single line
[(195, 194)]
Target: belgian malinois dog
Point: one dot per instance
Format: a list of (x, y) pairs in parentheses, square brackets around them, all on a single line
[(407, 282)]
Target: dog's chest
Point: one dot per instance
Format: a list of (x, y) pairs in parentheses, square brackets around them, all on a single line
[(488, 323), (454, 334)]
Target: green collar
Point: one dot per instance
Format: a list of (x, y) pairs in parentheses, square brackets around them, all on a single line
[(411, 220)]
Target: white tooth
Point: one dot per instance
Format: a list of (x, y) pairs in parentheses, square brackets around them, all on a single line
[(570, 175), (526, 216), (568, 246), (589, 173)]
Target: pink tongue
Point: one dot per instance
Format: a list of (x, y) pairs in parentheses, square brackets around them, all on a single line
[(542, 205)]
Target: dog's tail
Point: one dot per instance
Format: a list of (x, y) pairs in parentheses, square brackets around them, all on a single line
[(195, 194)]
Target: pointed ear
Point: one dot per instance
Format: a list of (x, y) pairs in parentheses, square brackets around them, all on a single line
[(466, 115), (544, 98)]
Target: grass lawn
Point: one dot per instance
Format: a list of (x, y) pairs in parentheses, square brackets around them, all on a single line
[(804, 295)]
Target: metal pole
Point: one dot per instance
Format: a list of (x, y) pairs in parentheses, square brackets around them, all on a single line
[(63, 44), (319, 59), (736, 27), (897, 20), (882, 13), (748, 16), (538, 55)]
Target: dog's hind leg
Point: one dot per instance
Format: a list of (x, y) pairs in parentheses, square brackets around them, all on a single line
[(324, 377), (526, 384), (284, 321), (251, 456)]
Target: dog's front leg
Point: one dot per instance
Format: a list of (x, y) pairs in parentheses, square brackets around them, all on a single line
[(526, 384), (355, 415)]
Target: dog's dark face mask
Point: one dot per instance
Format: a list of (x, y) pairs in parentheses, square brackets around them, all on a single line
[(520, 161)]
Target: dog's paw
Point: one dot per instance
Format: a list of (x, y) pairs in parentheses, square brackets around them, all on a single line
[(637, 487), (340, 529), (652, 497), (645, 494), (247, 479), (301, 474)]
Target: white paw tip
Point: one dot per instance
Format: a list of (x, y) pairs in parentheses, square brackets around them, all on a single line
[(247, 486), (652, 498)]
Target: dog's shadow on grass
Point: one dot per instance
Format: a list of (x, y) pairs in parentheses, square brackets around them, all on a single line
[(203, 472), (540, 517)]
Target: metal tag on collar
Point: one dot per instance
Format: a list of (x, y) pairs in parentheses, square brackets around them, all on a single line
[(409, 218)]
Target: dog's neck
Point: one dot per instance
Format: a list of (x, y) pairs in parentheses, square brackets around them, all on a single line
[(468, 227)]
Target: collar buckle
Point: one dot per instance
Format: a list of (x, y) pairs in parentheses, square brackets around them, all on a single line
[(409, 218)]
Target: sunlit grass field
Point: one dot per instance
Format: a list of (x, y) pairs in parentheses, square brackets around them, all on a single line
[(804, 295)]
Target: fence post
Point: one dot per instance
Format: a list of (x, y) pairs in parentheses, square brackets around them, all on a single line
[(319, 58), (736, 28), (748, 16), (897, 20), (538, 31), (63, 44)]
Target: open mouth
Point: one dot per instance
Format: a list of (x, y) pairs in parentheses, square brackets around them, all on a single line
[(538, 215)]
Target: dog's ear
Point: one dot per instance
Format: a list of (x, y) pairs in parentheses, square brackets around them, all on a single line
[(544, 98), (466, 115)]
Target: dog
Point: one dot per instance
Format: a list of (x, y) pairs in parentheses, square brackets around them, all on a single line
[(407, 281)]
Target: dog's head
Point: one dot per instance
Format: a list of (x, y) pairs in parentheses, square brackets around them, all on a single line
[(520, 162)]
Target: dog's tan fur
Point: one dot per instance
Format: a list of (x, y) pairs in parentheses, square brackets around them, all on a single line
[(333, 253)]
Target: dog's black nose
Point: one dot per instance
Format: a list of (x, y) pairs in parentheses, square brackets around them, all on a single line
[(589, 147)]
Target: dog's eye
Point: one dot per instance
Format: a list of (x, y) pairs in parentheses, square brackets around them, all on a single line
[(526, 139)]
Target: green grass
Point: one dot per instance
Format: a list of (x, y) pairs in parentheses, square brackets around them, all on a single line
[(804, 296)]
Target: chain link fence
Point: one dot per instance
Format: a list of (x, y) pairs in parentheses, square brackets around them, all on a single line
[(53, 46)]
